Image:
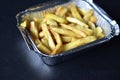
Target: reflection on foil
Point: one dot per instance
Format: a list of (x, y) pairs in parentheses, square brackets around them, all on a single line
[(35, 63)]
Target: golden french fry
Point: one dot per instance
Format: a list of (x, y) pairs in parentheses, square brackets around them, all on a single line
[(74, 20), (41, 47), (72, 24), (79, 32), (93, 19), (78, 42), (61, 11), (91, 25), (58, 41), (23, 25), (73, 39), (48, 36), (87, 31), (68, 14), (101, 36), (37, 24), (57, 49), (55, 17), (65, 32), (75, 12), (66, 39), (98, 31), (57, 36), (88, 15), (41, 34), (45, 42), (33, 29), (39, 27), (80, 27), (51, 22), (82, 11)]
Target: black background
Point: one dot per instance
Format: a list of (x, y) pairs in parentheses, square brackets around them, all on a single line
[(18, 63)]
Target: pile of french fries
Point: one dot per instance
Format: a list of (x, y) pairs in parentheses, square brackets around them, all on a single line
[(62, 28)]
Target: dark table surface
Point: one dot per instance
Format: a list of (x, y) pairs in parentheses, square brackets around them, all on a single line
[(18, 63)]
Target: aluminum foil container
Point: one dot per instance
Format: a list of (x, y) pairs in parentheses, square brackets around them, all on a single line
[(110, 27)]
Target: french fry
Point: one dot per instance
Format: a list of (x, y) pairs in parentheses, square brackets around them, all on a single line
[(65, 32), (78, 42), (55, 17), (45, 42), (68, 14), (82, 11), (41, 34), (93, 19), (91, 25), (66, 39), (41, 47), (80, 27), (74, 20), (23, 25), (48, 36), (75, 12), (51, 22), (61, 11), (73, 39), (87, 31), (72, 24), (98, 31), (33, 29), (58, 41), (88, 15), (39, 27), (37, 21), (101, 36), (79, 32)]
